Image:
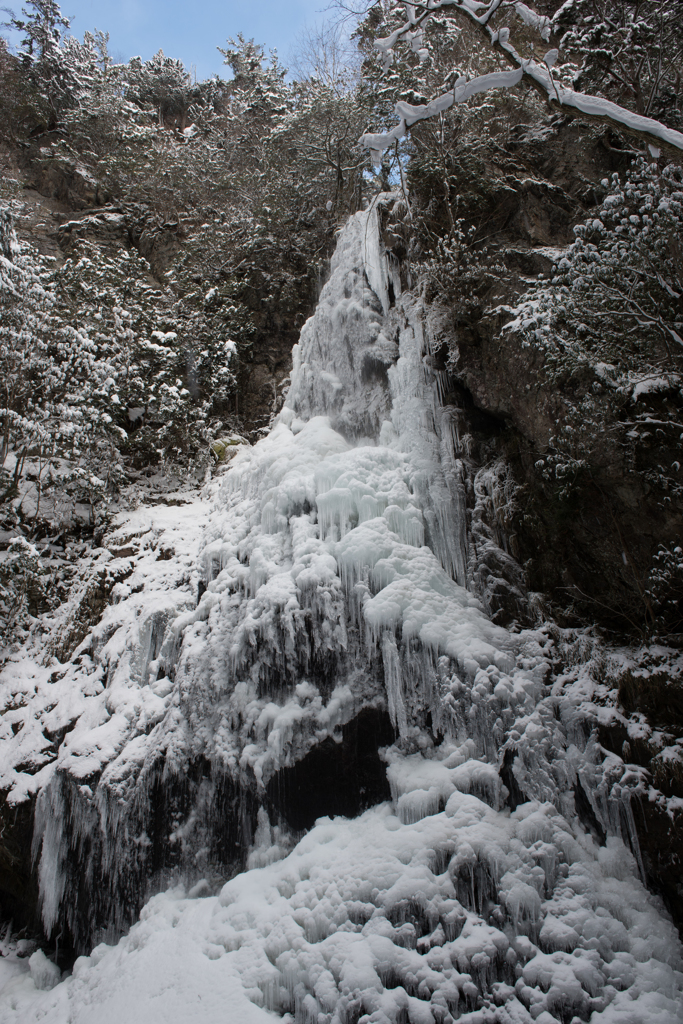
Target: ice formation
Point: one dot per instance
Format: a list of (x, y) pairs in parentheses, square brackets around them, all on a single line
[(331, 580), (375, 921)]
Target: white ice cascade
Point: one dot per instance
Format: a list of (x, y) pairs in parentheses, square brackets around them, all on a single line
[(335, 565)]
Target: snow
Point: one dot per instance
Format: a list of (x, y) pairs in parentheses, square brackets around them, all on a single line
[(409, 114), (44, 973), (596, 106), (650, 385), (333, 561), (376, 918), (537, 21), (48, 697)]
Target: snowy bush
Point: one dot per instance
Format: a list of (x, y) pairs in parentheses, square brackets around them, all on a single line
[(22, 590), (609, 326), (615, 295), (665, 588), (166, 362), (462, 273), (56, 377)]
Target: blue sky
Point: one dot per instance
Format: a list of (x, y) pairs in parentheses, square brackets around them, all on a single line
[(190, 31)]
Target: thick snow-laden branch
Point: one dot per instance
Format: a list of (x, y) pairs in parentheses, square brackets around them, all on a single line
[(533, 20), (593, 108), (409, 114)]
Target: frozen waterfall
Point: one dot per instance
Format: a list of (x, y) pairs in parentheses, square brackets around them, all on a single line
[(329, 596)]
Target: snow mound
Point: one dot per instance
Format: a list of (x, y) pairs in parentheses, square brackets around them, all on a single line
[(469, 914)]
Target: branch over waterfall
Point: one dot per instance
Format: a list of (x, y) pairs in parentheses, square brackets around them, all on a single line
[(539, 73)]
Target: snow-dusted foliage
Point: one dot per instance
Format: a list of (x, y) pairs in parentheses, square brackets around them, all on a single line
[(486, 18), (172, 362), (55, 383), (333, 568), (21, 589), (665, 584), (99, 365), (613, 304), (631, 52), (623, 272), (44, 60)]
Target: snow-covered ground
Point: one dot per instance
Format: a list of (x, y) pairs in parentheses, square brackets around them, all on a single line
[(378, 920), (324, 573)]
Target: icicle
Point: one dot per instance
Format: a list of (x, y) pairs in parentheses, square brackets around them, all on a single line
[(393, 680)]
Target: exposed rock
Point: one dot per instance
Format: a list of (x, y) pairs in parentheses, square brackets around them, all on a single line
[(344, 777), (66, 178), (89, 605), (18, 882), (102, 226), (590, 551), (596, 545)]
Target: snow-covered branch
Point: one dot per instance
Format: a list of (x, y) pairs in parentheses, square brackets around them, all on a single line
[(592, 108), (409, 114)]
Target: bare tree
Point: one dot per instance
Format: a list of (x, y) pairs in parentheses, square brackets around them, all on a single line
[(325, 53)]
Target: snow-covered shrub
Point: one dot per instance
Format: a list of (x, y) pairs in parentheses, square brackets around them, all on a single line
[(665, 588), (461, 272), (608, 326), (162, 83), (616, 294), (22, 589), (58, 71), (25, 301)]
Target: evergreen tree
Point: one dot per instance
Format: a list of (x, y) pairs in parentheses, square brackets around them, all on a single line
[(56, 381), (631, 52), (47, 65)]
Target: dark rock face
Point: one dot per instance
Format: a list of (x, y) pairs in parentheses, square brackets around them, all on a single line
[(592, 552), (18, 884), (104, 227), (658, 700), (594, 548), (266, 367), (67, 179), (335, 778)]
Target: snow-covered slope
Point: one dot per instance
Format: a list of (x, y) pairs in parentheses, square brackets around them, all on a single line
[(333, 570), (376, 921)]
